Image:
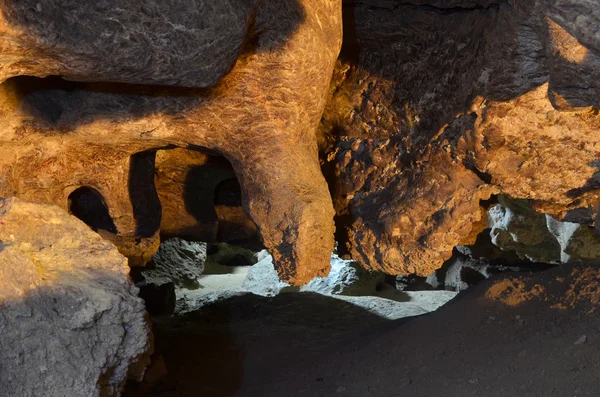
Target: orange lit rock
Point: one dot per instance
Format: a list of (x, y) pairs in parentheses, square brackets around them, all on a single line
[(437, 106), (261, 116)]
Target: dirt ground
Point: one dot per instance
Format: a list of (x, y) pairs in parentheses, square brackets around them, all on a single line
[(514, 335)]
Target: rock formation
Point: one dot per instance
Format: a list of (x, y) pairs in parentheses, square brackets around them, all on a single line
[(177, 261), (70, 321), (200, 198), (346, 278), (515, 226), (170, 43), (253, 79), (437, 106)]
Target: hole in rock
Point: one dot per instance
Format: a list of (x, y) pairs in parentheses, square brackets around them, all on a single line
[(87, 204), (146, 205), (201, 198)]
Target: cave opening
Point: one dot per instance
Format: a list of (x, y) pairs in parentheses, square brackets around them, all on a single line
[(201, 198), (88, 204), (207, 242), (430, 105)]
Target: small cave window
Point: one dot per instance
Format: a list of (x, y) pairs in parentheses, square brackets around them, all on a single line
[(228, 193), (87, 204)]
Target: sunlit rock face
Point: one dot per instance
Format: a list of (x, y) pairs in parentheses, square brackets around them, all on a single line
[(434, 107), (437, 106), (255, 77), (71, 323)]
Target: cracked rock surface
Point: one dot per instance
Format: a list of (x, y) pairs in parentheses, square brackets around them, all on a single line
[(172, 42)]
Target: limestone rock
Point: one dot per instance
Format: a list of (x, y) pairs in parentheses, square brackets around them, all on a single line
[(262, 279), (516, 226), (70, 321), (345, 278), (261, 116), (178, 261), (434, 110), (172, 43)]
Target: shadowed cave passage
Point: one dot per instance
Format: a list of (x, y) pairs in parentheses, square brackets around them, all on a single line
[(87, 204), (201, 198), (142, 192)]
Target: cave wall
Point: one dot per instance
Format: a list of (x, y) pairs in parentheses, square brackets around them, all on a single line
[(261, 116), (435, 107)]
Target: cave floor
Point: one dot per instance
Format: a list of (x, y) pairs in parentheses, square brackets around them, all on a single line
[(535, 335)]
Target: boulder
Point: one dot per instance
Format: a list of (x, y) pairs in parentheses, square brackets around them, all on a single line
[(262, 279), (71, 323), (178, 261)]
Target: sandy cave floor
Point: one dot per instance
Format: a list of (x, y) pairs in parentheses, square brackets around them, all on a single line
[(536, 335)]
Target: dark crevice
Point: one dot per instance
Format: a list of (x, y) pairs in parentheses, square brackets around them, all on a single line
[(228, 193), (147, 209), (87, 204), (484, 176), (427, 7)]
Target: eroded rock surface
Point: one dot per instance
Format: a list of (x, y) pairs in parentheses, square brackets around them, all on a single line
[(261, 116), (345, 278), (200, 198), (177, 261), (70, 321), (515, 226), (435, 108), (172, 42)]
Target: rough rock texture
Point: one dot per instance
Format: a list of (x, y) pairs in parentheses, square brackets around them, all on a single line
[(261, 116), (433, 110), (226, 255), (461, 272), (178, 261), (346, 278), (70, 321), (262, 279), (200, 198), (538, 237), (173, 42)]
